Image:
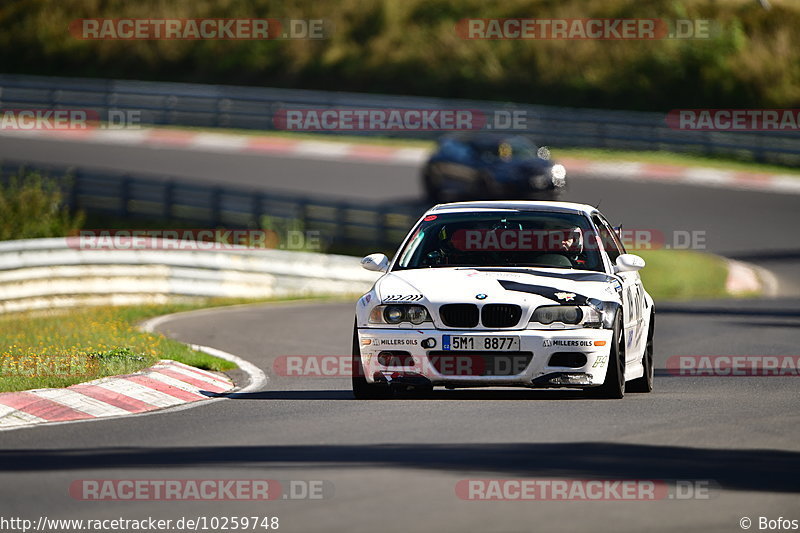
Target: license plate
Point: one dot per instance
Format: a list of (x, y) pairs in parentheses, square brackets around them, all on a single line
[(480, 343)]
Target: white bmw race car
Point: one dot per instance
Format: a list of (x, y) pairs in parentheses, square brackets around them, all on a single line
[(521, 294)]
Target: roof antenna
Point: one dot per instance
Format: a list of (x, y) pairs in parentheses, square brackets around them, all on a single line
[(598, 204)]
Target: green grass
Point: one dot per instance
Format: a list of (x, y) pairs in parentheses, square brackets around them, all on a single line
[(33, 207), (61, 348), (411, 47), (683, 274)]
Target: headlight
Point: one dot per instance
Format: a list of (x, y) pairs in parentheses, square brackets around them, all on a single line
[(592, 318), (395, 314), (416, 314), (604, 311), (597, 314), (559, 175), (548, 314)]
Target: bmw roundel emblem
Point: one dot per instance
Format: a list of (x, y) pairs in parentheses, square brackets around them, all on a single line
[(480, 296)]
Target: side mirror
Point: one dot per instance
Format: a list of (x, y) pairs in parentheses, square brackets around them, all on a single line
[(376, 263), (629, 263)]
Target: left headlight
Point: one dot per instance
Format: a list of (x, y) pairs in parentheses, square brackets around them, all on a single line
[(395, 314), (559, 175), (567, 314), (605, 312)]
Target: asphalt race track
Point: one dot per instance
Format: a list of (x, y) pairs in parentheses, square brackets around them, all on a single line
[(394, 465)]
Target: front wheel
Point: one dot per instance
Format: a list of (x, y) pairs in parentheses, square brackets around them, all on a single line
[(614, 385), (362, 389), (482, 187), (645, 383), (432, 182)]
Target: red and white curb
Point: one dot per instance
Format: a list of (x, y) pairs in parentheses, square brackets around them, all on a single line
[(745, 278), (371, 153), (233, 143), (166, 384), (677, 174)]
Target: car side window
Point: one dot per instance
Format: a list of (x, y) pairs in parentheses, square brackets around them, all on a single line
[(606, 235), (455, 151), (614, 235)]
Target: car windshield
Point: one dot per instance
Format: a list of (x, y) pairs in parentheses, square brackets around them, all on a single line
[(516, 148), (502, 239)]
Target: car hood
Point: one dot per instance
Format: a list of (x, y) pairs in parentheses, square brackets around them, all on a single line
[(533, 164), (523, 286)]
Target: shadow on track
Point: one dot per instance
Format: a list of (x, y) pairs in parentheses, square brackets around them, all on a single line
[(738, 308), (764, 255), (438, 394), (759, 470), (764, 324)]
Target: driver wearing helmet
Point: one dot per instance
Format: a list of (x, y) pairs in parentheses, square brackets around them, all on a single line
[(572, 245)]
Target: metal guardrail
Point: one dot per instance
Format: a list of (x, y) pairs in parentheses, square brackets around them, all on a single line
[(341, 225), (47, 273), (255, 108)]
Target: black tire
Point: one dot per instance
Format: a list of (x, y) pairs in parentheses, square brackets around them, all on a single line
[(552, 195), (613, 387), (482, 187), (555, 195), (644, 384), (362, 390), (432, 186)]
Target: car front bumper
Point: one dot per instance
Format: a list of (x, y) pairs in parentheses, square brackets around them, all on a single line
[(544, 358)]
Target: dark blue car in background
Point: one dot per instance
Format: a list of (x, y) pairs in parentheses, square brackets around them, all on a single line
[(491, 166)]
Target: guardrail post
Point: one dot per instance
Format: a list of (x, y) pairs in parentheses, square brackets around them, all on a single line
[(124, 196), (302, 214), (603, 133), (257, 209), (708, 143), (73, 191), (216, 206), (759, 154), (382, 236), (169, 200), (341, 224)]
